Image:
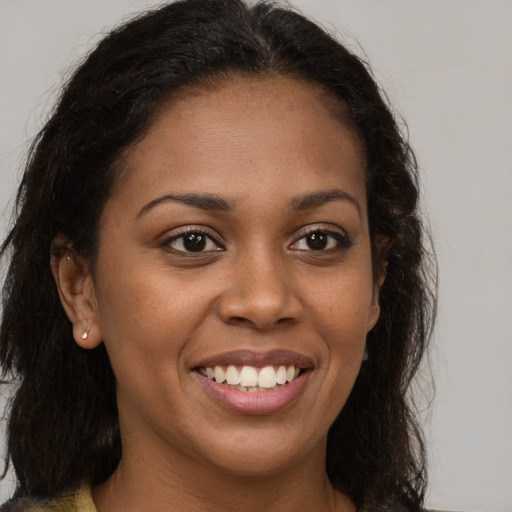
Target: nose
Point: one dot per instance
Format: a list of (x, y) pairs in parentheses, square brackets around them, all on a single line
[(261, 294)]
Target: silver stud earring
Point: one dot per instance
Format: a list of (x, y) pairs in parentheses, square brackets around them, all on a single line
[(85, 335), (365, 356)]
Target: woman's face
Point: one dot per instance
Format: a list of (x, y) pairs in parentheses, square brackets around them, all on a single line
[(236, 245)]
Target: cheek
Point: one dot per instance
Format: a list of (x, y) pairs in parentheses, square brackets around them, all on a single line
[(143, 326), (148, 314), (343, 311), (343, 302)]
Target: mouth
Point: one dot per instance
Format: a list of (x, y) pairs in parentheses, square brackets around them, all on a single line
[(252, 379), (254, 383)]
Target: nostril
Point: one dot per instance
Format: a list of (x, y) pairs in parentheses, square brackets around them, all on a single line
[(239, 320), (259, 307), (242, 321)]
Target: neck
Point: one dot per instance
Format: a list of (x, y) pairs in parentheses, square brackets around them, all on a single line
[(164, 481)]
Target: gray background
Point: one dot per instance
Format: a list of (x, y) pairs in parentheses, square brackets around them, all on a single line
[(447, 67)]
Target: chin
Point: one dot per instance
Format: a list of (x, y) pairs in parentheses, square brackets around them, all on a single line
[(261, 454)]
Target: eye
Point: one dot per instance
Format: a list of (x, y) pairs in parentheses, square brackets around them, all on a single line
[(193, 242), (321, 240)]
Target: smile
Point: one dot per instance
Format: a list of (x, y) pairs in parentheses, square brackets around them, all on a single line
[(250, 378), (254, 383)]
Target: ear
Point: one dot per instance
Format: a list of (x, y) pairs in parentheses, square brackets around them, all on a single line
[(76, 291), (380, 252), (374, 312)]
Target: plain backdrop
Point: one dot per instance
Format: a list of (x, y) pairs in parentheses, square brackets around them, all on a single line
[(447, 68)]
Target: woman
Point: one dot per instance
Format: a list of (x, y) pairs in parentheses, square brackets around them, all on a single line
[(217, 294)]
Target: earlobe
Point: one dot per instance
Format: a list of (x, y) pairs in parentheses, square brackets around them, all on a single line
[(76, 291), (374, 312)]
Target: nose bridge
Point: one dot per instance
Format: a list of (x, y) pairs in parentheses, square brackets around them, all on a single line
[(260, 292)]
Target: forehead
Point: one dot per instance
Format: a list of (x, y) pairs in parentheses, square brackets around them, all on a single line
[(271, 133)]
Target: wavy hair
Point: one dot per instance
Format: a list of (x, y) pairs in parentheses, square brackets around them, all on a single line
[(63, 422)]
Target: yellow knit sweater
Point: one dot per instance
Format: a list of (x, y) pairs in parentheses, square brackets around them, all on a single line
[(79, 500)]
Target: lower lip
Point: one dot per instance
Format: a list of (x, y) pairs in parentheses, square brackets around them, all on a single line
[(256, 403)]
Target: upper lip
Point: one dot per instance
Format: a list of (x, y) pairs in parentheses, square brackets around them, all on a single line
[(256, 359)]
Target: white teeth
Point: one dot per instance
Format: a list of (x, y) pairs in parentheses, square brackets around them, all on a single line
[(248, 376), (220, 375), (267, 377), (281, 375), (232, 376), (251, 379)]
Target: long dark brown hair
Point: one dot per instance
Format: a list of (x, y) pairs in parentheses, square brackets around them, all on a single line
[(63, 423)]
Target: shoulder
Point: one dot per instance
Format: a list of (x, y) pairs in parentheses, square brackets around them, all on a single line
[(78, 500), (24, 504)]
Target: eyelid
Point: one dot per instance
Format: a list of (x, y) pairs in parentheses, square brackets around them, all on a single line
[(178, 233), (329, 229)]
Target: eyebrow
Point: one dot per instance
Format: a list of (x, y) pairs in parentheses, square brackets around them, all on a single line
[(212, 202), (207, 202), (316, 199)]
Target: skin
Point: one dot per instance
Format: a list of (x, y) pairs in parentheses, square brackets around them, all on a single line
[(259, 145)]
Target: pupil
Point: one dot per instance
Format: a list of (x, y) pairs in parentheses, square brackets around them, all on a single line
[(317, 241), (194, 242)]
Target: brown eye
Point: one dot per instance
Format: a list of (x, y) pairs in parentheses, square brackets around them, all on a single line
[(317, 241), (194, 241), (322, 240)]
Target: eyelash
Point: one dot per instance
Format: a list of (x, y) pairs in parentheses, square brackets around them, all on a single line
[(341, 241), (208, 238)]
